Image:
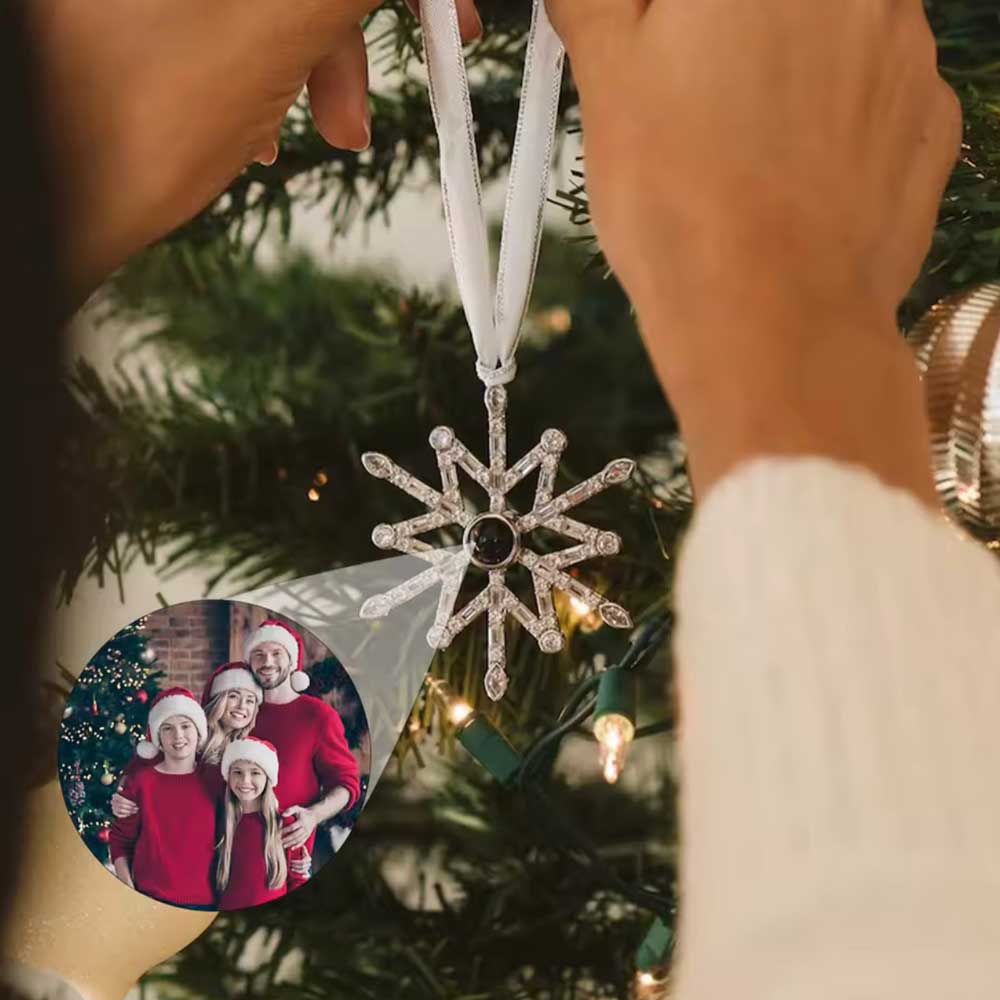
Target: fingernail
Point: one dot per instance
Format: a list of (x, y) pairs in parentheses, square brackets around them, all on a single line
[(367, 124), (268, 156)]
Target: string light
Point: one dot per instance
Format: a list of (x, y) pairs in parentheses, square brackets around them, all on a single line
[(577, 613), (478, 735), (647, 986), (614, 720), (313, 494), (653, 963), (458, 712)]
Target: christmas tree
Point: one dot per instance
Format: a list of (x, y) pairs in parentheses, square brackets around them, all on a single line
[(278, 379), (105, 716)]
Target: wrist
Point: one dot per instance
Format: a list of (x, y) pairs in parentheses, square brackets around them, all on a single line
[(792, 381)]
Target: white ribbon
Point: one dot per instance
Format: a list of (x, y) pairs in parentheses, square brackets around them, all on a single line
[(494, 318)]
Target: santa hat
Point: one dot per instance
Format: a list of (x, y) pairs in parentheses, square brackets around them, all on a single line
[(235, 676), (255, 750), (289, 640), (171, 701)]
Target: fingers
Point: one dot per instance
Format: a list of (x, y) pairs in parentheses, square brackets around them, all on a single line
[(338, 93), (293, 838), (470, 25)]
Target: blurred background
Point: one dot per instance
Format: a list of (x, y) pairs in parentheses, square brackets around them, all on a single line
[(225, 385)]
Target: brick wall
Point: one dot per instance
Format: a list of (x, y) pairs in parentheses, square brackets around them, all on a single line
[(190, 640)]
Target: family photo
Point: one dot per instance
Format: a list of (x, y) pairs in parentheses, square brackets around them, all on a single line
[(214, 755)]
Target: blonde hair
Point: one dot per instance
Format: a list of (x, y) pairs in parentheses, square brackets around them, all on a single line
[(215, 745), (274, 853)]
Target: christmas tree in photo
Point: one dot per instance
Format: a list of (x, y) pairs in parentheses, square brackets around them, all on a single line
[(105, 716)]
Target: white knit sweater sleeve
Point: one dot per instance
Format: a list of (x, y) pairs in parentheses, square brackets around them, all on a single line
[(838, 658)]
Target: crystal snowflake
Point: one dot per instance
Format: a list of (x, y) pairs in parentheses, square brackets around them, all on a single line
[(494, 540)]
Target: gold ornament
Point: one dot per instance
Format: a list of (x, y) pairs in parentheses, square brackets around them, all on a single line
[(957, 345), (72, 916), (121, 728), (107, 778)]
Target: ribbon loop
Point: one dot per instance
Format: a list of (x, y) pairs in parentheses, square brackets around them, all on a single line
[(494, 316)]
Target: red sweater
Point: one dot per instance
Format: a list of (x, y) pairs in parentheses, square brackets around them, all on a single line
[(248, 866), (169, 842), (313, 756)]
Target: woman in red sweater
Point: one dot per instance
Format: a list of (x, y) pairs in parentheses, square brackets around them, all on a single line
[(165, 850), (252, 867), (231, 699)]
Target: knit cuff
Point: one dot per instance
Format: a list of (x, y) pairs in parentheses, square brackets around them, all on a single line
[(837, 647)]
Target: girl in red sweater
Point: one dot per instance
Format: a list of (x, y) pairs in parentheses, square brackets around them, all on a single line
[(165, 850), (252, 867)]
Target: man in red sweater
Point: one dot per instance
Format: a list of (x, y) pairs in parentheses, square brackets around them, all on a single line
[(319, 775)]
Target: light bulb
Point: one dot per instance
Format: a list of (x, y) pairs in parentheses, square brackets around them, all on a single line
[(459, 711), (614, 732)]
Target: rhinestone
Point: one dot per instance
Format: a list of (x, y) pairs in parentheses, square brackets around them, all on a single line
[(618, 471), (553, 440), (376, 607), (550, 641), (495, 683), (442, 438), (615, 615), (608, 543), (496, 399), (384, 536), (438, 637), (376, 464)]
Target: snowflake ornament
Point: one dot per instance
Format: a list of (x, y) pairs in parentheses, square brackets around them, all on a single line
[(494, 541)]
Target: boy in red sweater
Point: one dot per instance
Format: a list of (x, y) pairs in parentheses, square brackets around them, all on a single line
[(165, 850), (252, 865), (319, 774)]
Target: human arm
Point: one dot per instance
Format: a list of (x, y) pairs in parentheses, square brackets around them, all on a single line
[(298, 860), (122, 807), (338, 773), (766, 276), (836, 642), (124, 833), (838, 685), (123, 870)]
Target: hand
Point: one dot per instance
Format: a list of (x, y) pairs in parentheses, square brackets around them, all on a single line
[(764, 178), (302, 865), (156, 106), (297, 833), (122, 807), (779, 145)]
